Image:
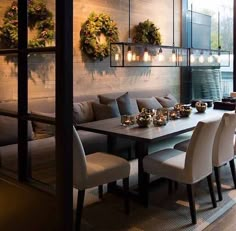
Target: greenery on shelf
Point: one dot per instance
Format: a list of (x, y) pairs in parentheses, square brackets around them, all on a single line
[(39, 19), (96, 34), (147, 32)]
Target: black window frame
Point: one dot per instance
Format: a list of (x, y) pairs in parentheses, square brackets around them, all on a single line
[(64, 106)]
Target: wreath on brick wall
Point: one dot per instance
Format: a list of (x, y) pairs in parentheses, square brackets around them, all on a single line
[(96, 34), (147, 32), (39, 18)]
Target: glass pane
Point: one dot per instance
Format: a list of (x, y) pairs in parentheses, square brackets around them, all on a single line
[(219, 34), (41, 93), (8, 125), (9, 24), (133, 55), (41, 23)]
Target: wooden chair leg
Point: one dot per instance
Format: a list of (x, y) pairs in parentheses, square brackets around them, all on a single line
[(145, 193), (210, 185), (218, 184), (80, 204), (191, 203), (232, 167), (126, 194), (100, 191)]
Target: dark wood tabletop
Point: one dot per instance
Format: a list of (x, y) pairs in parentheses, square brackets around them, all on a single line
[(113, 127)]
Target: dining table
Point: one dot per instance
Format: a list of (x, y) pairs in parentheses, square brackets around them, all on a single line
[(144, 136)]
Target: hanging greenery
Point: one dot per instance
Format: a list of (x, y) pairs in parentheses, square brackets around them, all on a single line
[(39, 18), (147, 32), (96, 34)]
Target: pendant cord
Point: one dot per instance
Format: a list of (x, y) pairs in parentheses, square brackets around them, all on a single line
[(129, 20), (173, 23), (191, 25), (219, 46)]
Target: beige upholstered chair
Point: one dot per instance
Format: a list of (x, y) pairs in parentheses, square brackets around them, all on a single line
[(223, 148), (185, 167), (95, 170)]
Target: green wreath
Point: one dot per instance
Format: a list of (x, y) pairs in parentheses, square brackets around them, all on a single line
[(96, 34), (39, 18), (147, 32)]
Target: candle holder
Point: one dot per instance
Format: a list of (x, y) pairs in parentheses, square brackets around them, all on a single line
[(185, 111), (159, 120), (201, 106), (144, 119), (174, 114), (163, 112), (127, 120)]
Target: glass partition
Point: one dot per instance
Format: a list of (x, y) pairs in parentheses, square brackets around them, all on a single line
[(217, 23), (8, 105)]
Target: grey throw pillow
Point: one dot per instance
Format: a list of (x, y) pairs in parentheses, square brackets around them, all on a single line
[(103, 111), (167, 101), (43, 130), (83, 112), (151, 103), (9, 130), (124, 103)]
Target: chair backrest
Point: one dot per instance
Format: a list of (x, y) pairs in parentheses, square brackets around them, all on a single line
[(79, 162), (223, 147), (198, 163)]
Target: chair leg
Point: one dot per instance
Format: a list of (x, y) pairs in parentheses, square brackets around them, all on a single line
[(218, 184), (126, 194), (210, 185), (191, 203), (100, 191), (80, 203), (145, 193), (232, 167)]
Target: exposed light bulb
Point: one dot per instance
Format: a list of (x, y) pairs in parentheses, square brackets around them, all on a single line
[(117, 57), (145, 55), (173, 56), (201, 58), (210, 58), (133, 57), (180, 58), (129, 54), (218, 59), (161, 57), (192, 58)]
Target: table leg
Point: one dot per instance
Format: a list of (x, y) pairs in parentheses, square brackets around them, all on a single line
[(111, 141), (110, 149), (141, 150)]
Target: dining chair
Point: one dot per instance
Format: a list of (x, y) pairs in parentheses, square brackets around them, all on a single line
[(95, 170), (185, 167), (223, 148)]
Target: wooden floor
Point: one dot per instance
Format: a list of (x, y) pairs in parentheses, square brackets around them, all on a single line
[(24, 208), (225, 223)]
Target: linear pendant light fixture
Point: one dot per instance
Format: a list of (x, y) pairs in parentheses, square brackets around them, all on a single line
[(199, 57), (129, 54)]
